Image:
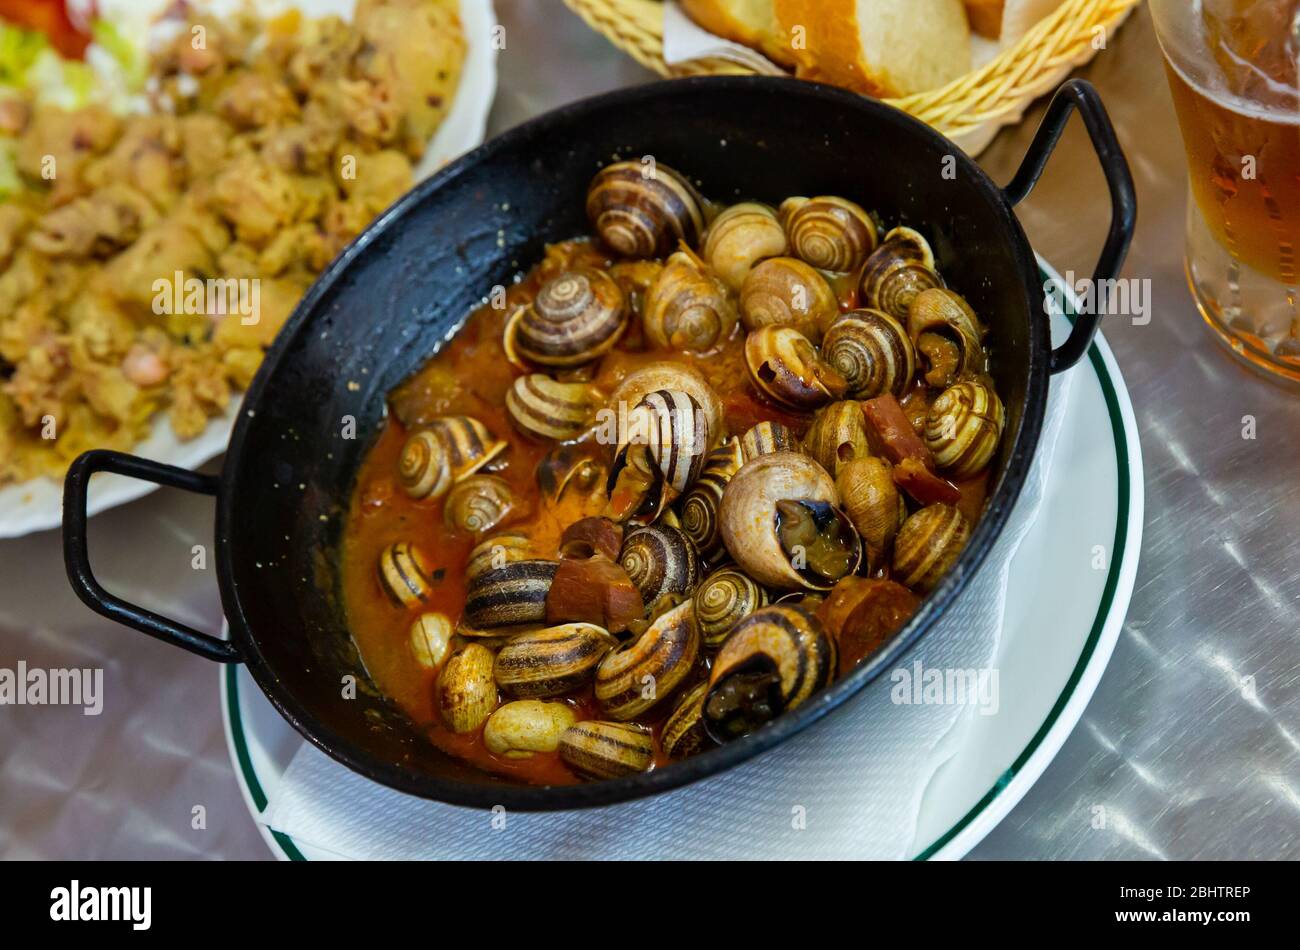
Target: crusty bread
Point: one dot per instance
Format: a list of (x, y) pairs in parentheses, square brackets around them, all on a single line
[(750, 22), (880, 47), (985, 17), (1007, 20)]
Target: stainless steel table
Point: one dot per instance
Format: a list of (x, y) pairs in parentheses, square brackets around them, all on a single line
[(1191, 744)]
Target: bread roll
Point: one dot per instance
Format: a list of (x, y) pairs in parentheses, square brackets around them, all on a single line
[(1007, 20), (881, 47), (749, 22), (985, 17)]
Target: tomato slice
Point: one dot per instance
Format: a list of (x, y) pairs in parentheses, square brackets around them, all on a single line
[(51, 18)]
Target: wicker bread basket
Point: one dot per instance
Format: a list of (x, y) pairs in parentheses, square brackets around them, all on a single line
[(969, 110)]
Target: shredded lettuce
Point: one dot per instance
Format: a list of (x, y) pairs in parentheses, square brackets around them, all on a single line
[(134, 65), (19, 50)]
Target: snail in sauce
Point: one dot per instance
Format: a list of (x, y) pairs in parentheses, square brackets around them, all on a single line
[(704, 462)]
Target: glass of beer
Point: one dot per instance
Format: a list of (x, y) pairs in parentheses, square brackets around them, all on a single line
[(1234, 72)]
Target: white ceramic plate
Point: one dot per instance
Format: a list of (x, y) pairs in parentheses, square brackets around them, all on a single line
[(38, 505), (1063, 618)]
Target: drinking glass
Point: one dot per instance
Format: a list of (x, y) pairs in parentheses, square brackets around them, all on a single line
[(1234, 74)]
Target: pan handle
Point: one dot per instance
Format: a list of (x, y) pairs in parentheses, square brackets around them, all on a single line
[(77, 556), (1082, 95)]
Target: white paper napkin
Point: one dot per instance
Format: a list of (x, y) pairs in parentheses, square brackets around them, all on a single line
[(849, 787)]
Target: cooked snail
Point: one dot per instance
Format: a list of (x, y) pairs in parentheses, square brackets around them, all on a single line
[(644, 210), (498, 551), (598, 749), (576, 317), (739, 238), (675, 429), (671, 376), (660, 560), (684, 733), (928, 545), (405, 574), (526, 727), (570, 470), (479, 504), (947, 336), (764, 438), (552, 661), (699, 507), (638, 492), (449, 449), (781, 523), (831, 234), (873, 353), (636, 676), (838, 434), (963, 428), (430, 638), (899, 269), (688, 307), (784, 366), (513, 594), (774, 660), (786, 292), (590, 537), (547, 409), (467, 693), (722, 600), (874, 505)]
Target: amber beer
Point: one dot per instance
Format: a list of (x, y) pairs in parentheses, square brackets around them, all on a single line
[(1234, 75), (1245, 177)]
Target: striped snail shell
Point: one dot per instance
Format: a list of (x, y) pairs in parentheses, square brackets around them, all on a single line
[(644, 210), (467, 693), (600, 750), (576, 318), (430, 638), (660, 560), (699, 507), (449, 449), (670, 375), (637, 675), (767, 437), (405, 574), (683, 733), (479, 503), (515, 593), (774, 660), (498, 551), (873, 353), (547, 409), (963, 428), (722, 600), (552, 661), (947, 336), (423, 469), (675, 429), (928, 544), (786, 292), (831, 234), (837, 435), (784, 366), (739, 238), (873, 503), (748, 519), (687, 307), (899, 269)]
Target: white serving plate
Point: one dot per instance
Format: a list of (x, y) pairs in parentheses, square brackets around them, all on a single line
[(1063, 618), (37, 505)]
